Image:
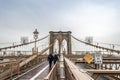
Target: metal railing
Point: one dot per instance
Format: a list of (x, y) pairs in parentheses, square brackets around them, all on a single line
[(26, 63), (9, 69)]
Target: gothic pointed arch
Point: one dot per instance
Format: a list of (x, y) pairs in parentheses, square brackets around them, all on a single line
[(60, 36)]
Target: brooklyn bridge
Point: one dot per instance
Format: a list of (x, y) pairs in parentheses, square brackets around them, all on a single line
[(28, 60)]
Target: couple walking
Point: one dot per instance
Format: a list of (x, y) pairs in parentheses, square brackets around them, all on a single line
[(52, 58)]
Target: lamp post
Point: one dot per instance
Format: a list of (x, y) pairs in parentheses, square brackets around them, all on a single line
[(35, 34)]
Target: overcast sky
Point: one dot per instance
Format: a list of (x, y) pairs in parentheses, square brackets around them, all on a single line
[(97, 18)]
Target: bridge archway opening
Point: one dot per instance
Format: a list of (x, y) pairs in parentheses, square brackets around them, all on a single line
[(64, 47), (56, 46)]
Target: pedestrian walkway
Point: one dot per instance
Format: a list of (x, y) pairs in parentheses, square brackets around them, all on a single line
[(37, 73)]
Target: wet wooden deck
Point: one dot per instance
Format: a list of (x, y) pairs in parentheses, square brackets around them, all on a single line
[(37, 73)]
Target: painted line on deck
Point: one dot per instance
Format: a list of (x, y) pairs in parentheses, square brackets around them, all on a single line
[(33, 78), (28, 71)]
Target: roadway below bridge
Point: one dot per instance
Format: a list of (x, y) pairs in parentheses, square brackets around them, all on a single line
[(36, 73)]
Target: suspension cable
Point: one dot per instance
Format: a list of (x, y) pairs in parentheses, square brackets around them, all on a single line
[(100, 47), (108, 43), (14, 46)]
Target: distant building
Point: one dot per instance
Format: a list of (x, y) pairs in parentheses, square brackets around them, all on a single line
[(24, 40), (89, 39)]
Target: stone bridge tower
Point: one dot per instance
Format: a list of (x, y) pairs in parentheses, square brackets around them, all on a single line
[(60, 36)]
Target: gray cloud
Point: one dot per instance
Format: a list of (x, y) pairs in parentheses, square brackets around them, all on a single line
[(95, 18)]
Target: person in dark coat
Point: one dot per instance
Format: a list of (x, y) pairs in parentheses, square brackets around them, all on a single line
[(50, 59), (55, 58)]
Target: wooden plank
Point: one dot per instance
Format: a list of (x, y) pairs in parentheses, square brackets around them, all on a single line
[(52, 74), (78, 75)]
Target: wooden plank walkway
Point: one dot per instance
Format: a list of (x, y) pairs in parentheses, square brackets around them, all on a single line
[(37, 73)]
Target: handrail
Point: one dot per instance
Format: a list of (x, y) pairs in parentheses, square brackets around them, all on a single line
[(34, 56), (74, 72), (52, 74), (13, 68)]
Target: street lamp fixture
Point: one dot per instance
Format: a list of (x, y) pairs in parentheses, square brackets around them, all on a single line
[(35, 34)]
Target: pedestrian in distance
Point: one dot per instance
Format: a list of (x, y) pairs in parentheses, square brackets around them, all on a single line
[(55, 58), (50, 59)]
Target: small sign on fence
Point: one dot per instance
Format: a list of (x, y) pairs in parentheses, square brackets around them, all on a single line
[(98, 58)]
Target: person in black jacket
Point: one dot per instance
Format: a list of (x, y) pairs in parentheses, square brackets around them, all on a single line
[(55, 58), (50, 59)]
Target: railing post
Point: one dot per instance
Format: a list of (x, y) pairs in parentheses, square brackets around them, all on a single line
[(18, 68), (11, 70)]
